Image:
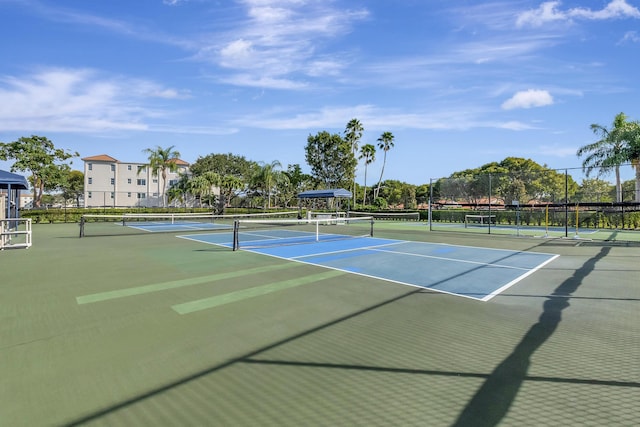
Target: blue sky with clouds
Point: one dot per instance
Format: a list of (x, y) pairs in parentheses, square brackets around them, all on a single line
[(459, 83)]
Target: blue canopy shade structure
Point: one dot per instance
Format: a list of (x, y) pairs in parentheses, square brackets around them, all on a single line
[(340, 193), (13, 183)]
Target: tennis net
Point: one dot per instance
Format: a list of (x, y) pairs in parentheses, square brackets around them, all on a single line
[(148, 223), (391, 216), (254, 233)]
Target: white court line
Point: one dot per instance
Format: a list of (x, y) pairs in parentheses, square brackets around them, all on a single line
[(464, 261), (517, 279), (372, 247)]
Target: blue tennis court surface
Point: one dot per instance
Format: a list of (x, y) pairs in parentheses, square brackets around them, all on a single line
[(163, 227), (472, 272)]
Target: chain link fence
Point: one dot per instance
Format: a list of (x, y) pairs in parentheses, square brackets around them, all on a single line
[(532, 201)]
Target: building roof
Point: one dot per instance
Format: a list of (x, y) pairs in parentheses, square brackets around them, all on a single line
[(180, 162), (323, 194), (100, 158), (107, 158), (17, 182)]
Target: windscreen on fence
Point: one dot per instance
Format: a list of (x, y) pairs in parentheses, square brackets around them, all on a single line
[(535, 202)]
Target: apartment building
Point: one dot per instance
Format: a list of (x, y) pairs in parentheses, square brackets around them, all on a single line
[(110, 182)]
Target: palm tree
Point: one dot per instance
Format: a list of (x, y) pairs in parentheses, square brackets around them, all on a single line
[(202, 185), (179, 190), (265, 177), (368, 153), (608, 152), (228, 184), (385, 143), (631, 135), (162, 160), (352, 134)]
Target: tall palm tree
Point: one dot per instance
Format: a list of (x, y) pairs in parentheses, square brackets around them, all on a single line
[(385, 143), (368, 153), (352, 134), (607, 153), (162, 160)]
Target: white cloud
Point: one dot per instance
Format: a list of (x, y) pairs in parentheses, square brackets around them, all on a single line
[(550, 11), (527, 99), (377, 119), (630, 36), (280, 41), (546, 12), (615, 9), (75, 100)]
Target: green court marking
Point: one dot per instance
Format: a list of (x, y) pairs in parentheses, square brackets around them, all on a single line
[(203, 304), (140, 290)]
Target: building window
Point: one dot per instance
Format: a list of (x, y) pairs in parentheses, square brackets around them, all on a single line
[(128, 180), (129, 194), (128, 167), (90, 180), (172, 182), (142, 182), (113, 168), (90, 166), (155, 180), (113, 194), (89, 194), (113, 181), (142, 195)]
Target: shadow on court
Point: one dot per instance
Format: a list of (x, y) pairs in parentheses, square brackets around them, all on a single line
[(247, 358), (494, 398)]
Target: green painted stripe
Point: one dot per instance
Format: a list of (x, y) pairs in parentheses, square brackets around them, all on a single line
[(140, 290), (203, 304)]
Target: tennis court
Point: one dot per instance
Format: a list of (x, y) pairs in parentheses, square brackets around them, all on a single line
[(479, 273), (151, 329)]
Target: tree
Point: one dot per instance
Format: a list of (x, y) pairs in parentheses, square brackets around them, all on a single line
[(385, 143), (631, 151), (179, 190), (162, 160), (201, 186), (73, 186), (229, 184), (368, 153), (331, 160), (352, 135), (224, 164), (607, 153), (265, 177), (594, 190), (38, 156), (296, 182)]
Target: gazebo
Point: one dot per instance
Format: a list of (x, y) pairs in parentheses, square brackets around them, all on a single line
[(335, 193), (12, 183), (325, 194)]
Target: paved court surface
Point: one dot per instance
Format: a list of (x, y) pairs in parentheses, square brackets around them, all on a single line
[(154, 330), (473, 272)]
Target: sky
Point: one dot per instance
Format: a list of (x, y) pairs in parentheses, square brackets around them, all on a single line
[(459, 83)]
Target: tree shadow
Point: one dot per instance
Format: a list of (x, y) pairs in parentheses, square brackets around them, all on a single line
[(494, 398)]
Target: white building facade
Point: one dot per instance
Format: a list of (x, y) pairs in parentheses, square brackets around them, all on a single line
[(109, 182)]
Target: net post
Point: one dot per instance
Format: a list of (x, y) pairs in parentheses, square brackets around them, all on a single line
[(236, 231), (82, 221), (371, 228)]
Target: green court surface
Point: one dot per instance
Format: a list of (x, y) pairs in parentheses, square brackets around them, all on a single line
[(157, 330)]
